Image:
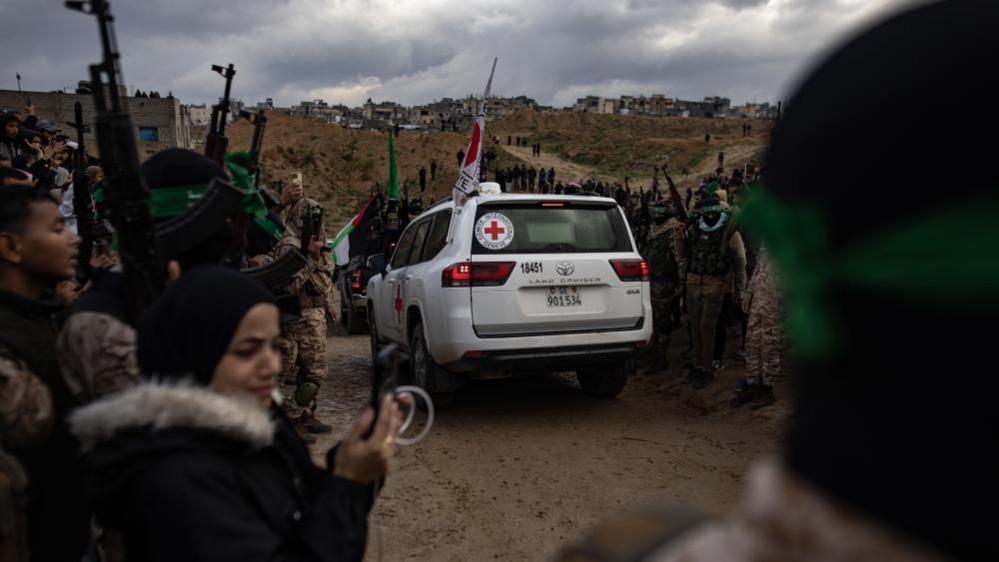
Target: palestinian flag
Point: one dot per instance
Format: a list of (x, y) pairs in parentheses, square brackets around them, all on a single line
[(352, 240), (392, 187)]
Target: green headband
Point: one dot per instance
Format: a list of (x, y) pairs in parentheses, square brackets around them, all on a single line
[(173, 201), (238, 164), (950, 257), (167, 202)]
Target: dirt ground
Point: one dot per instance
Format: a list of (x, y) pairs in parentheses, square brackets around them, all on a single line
[(522, 466)]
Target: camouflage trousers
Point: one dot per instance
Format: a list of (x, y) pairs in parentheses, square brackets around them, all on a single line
[(764, 349), (302, 343), (663, 294)]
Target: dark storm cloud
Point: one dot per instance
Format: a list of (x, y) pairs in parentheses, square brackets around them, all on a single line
[(417, 50)]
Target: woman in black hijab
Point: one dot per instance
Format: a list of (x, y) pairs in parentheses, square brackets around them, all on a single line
[(197, 463)]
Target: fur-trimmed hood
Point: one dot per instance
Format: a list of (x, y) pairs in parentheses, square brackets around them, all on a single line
[(159, 406)]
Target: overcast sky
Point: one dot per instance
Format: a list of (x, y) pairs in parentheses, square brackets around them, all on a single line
[(416, 51)]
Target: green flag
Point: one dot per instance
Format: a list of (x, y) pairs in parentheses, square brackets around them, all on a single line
[(393, 180)]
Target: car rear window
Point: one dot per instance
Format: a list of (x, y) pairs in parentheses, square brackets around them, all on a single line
[(549, 227)]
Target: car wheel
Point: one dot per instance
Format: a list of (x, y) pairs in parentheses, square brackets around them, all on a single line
[(423, 369), (352, 321), (603, 383), (343, 309), (376, 346)]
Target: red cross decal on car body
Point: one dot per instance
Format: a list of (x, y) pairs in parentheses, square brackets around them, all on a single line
[(398, 303)]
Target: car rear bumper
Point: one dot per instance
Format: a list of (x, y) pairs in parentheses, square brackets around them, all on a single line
[(359, 301), (455, 346), (512, 361)]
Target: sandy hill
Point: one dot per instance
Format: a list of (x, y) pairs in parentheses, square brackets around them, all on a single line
[(615, 146), (341, 166)]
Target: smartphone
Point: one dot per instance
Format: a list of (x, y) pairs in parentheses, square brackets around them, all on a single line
[(384, 377)]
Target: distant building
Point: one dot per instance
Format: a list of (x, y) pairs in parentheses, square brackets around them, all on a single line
[(158, 123), (200, 115)]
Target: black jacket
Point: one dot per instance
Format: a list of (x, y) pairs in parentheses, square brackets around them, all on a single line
[(215, 480), (58, 517)]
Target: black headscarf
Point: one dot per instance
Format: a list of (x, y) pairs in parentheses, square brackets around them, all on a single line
[(187, 331), (902, 421)]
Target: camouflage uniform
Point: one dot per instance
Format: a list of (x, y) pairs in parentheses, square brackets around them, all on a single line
[(713, 257), (26, 416), (782, 518), (764, 340), (667, 266), (97, 354), (303, 340)]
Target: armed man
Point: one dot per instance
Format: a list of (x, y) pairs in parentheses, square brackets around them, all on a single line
[(665, 252), (304, 336), (716, 250)]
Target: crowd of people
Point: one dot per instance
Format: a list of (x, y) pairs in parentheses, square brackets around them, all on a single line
[(202, 403), (178, 430)]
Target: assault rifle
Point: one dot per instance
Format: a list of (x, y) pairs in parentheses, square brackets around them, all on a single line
[(674, 193), (311, 227), (259, 121), (82, 202), (126, 193), (216, 143)]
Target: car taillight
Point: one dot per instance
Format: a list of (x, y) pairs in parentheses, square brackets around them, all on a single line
[(356, 283), (631, 270), (477, 274)]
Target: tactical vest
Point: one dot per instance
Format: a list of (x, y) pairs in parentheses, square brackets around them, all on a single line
[(662, 262), (709, 252)]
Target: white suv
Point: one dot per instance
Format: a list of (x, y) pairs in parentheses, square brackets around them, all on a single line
[(515, 284)]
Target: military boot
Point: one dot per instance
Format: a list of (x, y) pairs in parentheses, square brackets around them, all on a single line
[(305, 436), (309, 423), (745, 396), (764, 397), (700, 378)]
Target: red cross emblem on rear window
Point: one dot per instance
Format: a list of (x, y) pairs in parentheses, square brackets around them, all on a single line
[(494, 230)]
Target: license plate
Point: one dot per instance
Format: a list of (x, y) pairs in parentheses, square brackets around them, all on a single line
[(561, 297)]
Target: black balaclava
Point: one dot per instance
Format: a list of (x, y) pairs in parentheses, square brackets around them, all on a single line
[(187, 331), (175, 167), (901, 421)]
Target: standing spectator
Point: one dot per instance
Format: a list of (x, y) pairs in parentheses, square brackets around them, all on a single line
[(531, 174), (10, 146), (461, 157), (200, 452), (509, 140), (551, 175), (37, 254), (433, 169), (423, 179)]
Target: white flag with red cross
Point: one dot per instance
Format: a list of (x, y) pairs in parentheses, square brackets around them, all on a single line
[(468, 177)]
